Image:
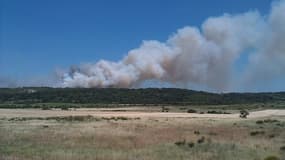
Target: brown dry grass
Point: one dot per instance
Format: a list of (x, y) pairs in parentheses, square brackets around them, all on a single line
[(150, 138)]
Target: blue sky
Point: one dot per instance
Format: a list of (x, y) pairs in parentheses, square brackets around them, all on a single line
[(39, 36)]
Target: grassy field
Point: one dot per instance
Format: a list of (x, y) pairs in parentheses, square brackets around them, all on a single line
[(37, 137)]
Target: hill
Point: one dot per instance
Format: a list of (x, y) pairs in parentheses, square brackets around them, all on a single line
[(171, 96)]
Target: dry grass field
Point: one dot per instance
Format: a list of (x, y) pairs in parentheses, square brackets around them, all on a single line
[(103, 134)]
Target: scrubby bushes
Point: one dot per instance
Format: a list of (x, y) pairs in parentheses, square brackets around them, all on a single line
[(201, 140), (190, 144), (191, 111), (255, 133), (271, 158), (197, 132), (243, 114), (217, 112), (164, 109), (119, 118), (180, 143), (185, 144), (147, 96)]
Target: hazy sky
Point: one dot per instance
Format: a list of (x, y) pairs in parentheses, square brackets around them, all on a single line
[(40, 36)]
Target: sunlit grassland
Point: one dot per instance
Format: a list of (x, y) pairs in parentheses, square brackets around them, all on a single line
[(141, 138)]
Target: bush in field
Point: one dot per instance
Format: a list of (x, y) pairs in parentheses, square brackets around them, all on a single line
[(217, 112), (191, 111), (255, 133), (164, 109), (197, 132), (271, 158), (201, 140), (243, 114), (259, 122), (191, 144), (180, 143)]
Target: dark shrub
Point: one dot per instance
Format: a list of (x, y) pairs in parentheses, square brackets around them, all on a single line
[(217, 112), (197, 132), (243, 114), (271, 158), (164, 109), (191, 111), (280, 124), (255, 133), (180, 143), (201, 140), (270, 121), (259, 122), (122, 118), (191, 144)]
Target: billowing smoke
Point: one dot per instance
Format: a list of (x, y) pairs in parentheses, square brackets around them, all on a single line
[(205, 56)]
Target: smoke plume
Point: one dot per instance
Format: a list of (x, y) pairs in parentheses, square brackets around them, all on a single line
[(203, 56)]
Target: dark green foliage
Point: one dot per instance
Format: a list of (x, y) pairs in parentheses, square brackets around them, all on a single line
[(201, 140), (270, 121), (191, 144), (271, 158), (217, 112), (259, 122), (255, 133), (149, 96), (267, 121), (280, 124), (243, 114), (282, 148), (185, 144), (191, 111), (180, 143), (164, 109)]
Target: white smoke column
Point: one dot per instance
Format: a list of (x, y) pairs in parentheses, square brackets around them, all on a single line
[(269, 60), (204, 57)]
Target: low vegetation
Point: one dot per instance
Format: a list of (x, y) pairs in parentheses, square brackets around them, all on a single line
[(31, 97), (110, 138), (72, 118)]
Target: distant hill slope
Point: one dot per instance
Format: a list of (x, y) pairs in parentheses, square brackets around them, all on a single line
[(132, 96)]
